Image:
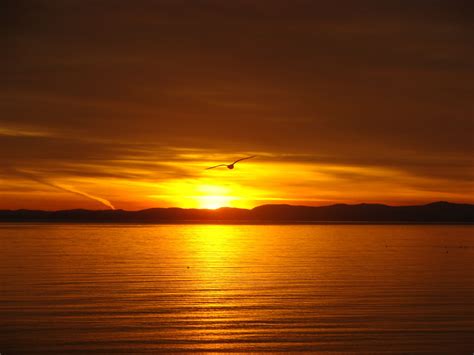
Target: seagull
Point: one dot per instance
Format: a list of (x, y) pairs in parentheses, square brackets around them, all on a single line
[(231, 166)]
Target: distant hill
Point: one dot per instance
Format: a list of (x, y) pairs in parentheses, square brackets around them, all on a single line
[(438, 212)]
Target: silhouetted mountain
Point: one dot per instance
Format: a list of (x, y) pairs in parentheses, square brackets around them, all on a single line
[(433, 212), (437, 212)]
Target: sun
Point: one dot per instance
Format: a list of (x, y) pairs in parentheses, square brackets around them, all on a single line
[(213, 196), (207, 195), (214, 202)]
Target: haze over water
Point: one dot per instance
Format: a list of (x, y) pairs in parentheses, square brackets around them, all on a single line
[(135, 288)]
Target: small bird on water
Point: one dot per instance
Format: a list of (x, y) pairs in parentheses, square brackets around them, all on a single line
[(231, 166)]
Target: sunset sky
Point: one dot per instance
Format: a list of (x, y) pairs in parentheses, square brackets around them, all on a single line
[(124, 103)]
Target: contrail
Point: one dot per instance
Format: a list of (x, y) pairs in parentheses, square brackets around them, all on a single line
[(80, 193), (66, 188)]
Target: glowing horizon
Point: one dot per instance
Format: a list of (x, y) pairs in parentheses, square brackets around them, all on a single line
[(248, 185)]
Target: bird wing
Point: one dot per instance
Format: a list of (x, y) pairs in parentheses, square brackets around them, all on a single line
[(215, 166), (253, 156)]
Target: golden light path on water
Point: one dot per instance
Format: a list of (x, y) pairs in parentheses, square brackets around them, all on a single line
[(135, 288)]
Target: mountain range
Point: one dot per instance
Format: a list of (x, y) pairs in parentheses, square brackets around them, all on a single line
[(437, 212)]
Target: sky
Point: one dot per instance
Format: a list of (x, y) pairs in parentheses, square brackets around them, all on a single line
[(123, 104)]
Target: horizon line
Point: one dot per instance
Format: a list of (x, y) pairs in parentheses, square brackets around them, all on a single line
[(240, 208)]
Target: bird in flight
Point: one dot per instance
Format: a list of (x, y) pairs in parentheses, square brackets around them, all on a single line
[(231, 166)]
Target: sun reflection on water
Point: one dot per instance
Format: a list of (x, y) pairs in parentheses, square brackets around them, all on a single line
[(204, 288)]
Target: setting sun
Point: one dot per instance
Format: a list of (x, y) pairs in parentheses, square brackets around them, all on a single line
[(213, 196), (214, 202), (193, 194)]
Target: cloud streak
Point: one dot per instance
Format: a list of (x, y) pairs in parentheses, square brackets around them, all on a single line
[(81, 193), (65, 188)]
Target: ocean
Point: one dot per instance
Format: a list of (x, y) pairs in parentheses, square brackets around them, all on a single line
[(110, 288)]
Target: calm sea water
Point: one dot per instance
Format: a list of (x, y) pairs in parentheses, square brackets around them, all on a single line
[(341, 288)]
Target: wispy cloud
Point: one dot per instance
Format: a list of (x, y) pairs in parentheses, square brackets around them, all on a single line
[(44, 181), (21, 132), (81, 193)]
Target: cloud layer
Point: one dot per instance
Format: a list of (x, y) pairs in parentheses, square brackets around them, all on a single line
[(373, 98)]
